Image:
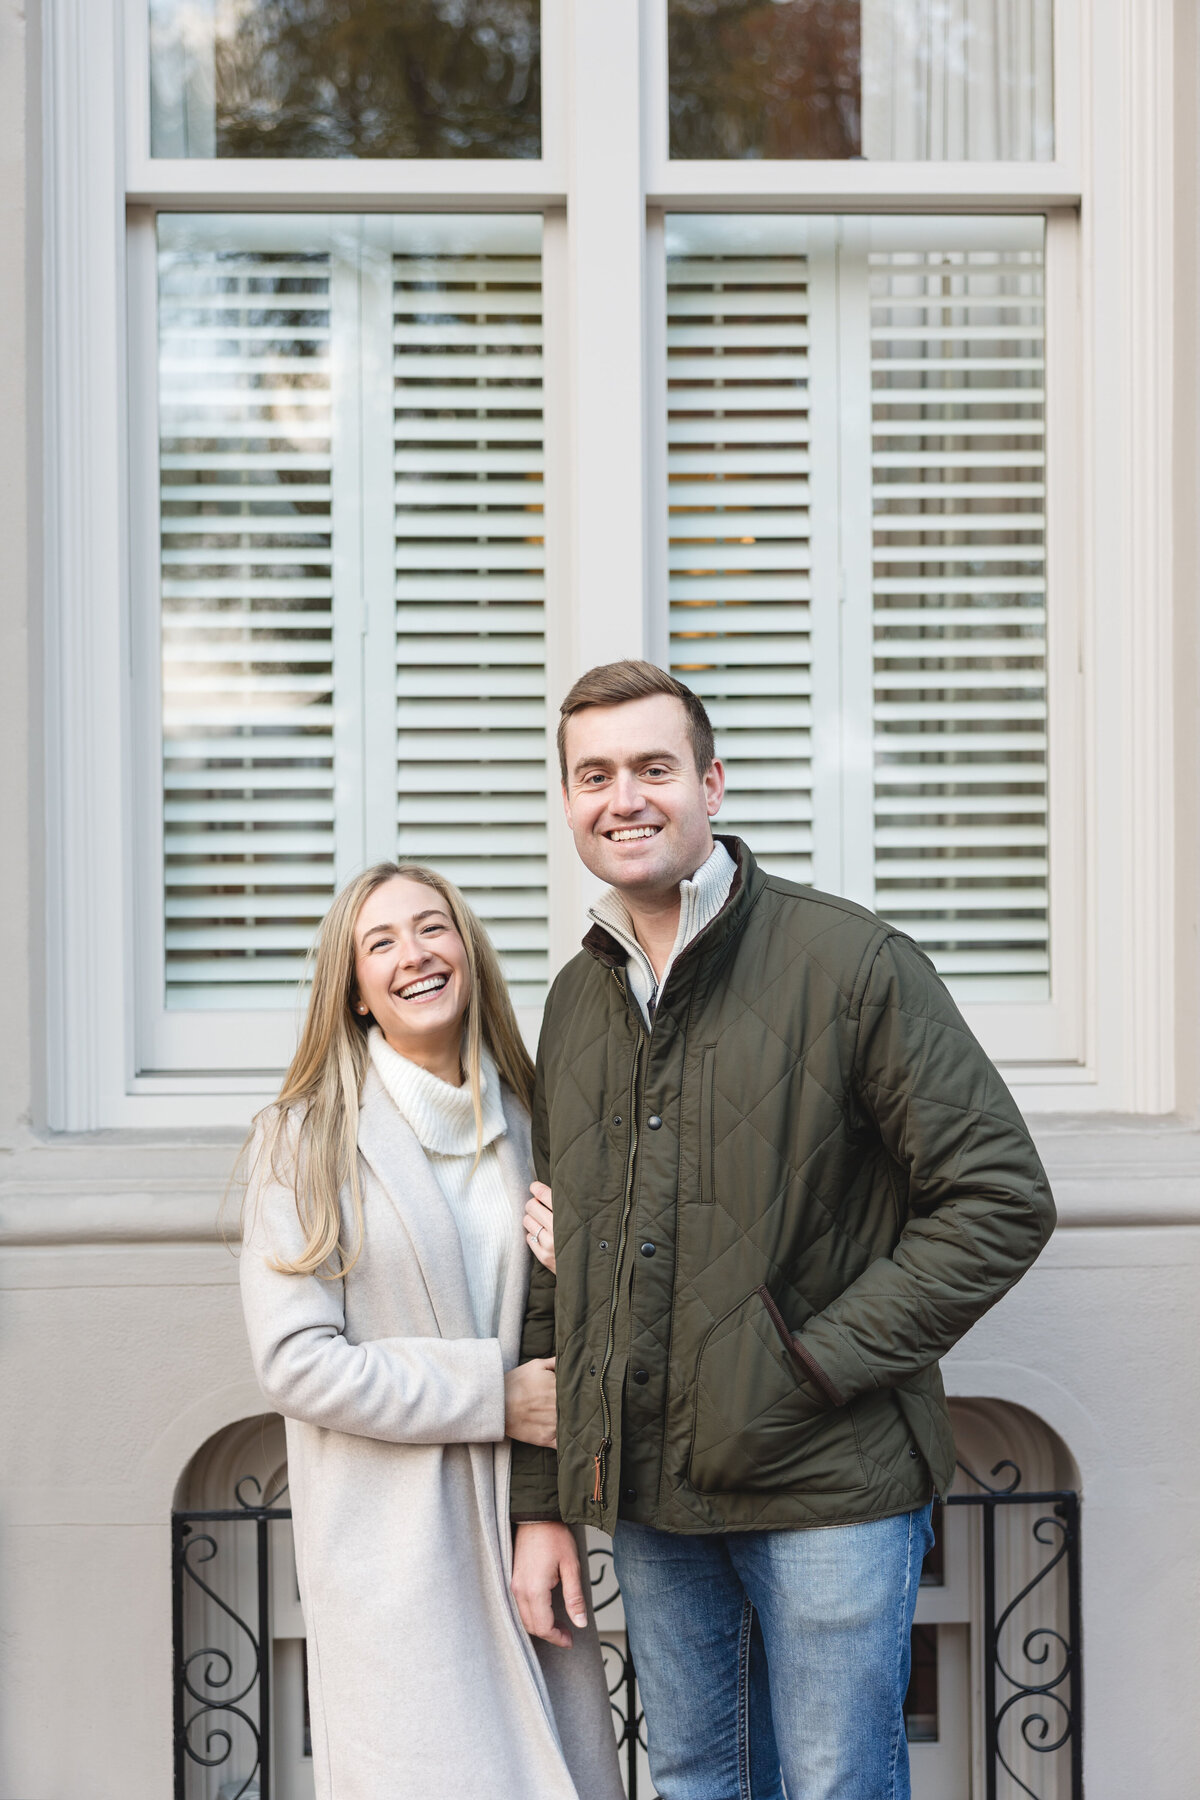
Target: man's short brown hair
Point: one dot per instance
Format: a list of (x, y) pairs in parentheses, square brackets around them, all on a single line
[(611, 684)]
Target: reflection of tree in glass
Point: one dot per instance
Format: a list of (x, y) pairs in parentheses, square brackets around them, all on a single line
[(764, 78), (435, 78)]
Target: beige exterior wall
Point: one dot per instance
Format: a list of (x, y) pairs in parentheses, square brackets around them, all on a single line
[(121, 1346)]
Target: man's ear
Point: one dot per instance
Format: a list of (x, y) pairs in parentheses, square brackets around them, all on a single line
[(714, 786)]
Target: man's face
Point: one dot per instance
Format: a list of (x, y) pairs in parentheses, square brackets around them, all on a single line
[(638, 810)]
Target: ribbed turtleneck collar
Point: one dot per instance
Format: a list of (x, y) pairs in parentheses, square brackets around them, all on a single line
[(700, 900), (441, 1117)]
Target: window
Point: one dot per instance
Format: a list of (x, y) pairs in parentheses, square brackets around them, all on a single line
[(302, 78), (905, 80), (390, 415), (351, 598), (857, 515)]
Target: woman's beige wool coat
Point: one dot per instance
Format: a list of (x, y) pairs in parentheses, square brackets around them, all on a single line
[(423, 1684)]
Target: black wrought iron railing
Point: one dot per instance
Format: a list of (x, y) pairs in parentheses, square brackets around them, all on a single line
[(1032, 1661)]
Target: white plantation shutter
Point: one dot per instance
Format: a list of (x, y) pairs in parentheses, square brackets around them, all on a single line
[(471, 782), (738, 438), (351, 579), (856, 457), (959, 610), (246, 473)]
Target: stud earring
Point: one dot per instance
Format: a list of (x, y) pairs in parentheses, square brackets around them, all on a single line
[(360, 1007)]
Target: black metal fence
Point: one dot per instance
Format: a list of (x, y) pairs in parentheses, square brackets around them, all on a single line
[(1032, 1661)]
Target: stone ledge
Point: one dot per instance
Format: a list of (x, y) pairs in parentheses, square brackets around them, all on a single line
[(135, 1187)]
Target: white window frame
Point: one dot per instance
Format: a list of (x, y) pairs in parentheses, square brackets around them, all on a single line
[(603, 174)]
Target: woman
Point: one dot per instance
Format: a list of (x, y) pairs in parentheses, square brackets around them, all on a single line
[(383, 1279)]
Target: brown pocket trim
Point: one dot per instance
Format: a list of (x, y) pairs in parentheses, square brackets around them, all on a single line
[(794, 1348)]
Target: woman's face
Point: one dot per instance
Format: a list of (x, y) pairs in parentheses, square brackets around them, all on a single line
[(411, 973)]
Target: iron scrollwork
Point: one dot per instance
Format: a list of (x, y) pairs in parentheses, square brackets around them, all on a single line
[(1042, 1698), (1045, 1702)]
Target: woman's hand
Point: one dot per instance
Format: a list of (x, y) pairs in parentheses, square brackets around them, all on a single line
[(529, 1404), (539, 1224)]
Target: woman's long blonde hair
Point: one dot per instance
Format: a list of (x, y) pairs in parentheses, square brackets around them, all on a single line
[(312, 1128)]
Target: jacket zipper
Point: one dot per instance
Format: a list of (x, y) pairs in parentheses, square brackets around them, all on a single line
[(601, 1456)]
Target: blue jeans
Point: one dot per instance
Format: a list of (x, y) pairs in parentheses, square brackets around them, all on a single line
[(774, 1657)]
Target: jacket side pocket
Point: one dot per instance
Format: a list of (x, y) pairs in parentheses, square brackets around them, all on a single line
[(707, 1071)]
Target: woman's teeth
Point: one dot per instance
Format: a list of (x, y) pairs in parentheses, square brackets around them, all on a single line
[(429, 985)]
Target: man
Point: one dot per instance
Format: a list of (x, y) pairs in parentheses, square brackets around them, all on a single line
[(786, 1179)]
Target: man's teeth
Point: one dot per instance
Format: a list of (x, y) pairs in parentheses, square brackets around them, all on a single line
[(423, 987), (634, 831)]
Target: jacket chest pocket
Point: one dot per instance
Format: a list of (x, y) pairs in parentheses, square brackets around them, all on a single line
[(707, 1145), (697, 1132)]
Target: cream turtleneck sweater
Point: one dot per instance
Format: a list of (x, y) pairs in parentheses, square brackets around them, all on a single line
[(700, 900), (442, 1120)]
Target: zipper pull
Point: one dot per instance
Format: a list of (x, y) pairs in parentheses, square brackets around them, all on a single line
[(598, 1459)]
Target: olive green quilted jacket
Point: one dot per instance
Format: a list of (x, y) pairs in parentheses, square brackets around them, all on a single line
[(773, 1212)]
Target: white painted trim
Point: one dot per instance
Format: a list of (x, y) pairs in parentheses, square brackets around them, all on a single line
[(88, 920), (1128, 255), (853, 186), (606, 233), (1146, 47), (383, 186)]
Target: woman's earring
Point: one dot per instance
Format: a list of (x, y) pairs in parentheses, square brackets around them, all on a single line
[(361, 1007)]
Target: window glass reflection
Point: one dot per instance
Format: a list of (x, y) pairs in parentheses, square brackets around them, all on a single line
[(889, 80), (362, 78)]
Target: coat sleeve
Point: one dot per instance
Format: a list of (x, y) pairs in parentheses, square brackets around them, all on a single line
[(978, 1209), (405, 1390), (534, 1470)]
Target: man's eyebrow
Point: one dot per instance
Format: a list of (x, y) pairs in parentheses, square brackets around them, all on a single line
[(635, 762)]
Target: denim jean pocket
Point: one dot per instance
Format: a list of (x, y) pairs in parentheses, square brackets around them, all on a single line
[(759, 1426)]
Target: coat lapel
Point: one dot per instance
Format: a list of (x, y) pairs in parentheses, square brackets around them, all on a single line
[(516, 1167), (400, 1166)]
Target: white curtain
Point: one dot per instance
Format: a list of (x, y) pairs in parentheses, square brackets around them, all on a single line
[(957, 80)]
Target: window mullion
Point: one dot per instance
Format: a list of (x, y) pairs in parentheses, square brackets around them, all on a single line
[(377, 626), (855, 635), (823, 505), (348, 513)]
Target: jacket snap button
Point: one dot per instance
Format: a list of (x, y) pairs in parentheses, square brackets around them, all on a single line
[(913, 1451), (604, 1243), (654, 1121), (629, 1494), (647, 1249), (641, 1377), (616, 1118)]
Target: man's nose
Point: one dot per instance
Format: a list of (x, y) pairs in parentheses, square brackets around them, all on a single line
[(626, 795)]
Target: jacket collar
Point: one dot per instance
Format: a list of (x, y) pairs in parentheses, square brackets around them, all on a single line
[(747, 885)]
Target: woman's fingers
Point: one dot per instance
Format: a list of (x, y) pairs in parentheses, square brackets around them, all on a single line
[(539, 1226)]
